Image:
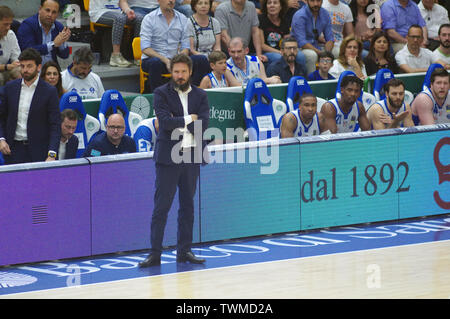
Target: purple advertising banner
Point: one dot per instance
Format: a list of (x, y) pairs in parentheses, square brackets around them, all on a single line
[(44, 213)]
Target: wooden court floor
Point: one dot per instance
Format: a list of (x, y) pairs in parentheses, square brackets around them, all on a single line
[(410, 271)]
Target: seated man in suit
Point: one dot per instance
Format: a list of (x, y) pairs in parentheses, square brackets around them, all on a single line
[(43, 33), (30, 120), (113, 141), (68, 144)]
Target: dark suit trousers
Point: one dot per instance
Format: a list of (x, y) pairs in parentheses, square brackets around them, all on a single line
[(20, 153), (168, 178)]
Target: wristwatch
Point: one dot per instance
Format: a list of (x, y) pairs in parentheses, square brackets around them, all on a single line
[(52, 154)]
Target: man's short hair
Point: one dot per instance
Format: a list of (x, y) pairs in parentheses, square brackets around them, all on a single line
[(415, 26), (285, 40), (351, 79), (181, 58), (240, 40), (305, 95), (83, 55), (43, 1), (439, 72), (216, 56), (69, 114), (6, 12), (393, 83), (445, 25), (30, 54)]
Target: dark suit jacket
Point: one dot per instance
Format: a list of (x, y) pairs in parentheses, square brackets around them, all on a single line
[(169, 111), (44, 118), (29, 35), (72, 147)]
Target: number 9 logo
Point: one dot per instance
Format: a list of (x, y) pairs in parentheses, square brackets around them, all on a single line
[(443, 171)]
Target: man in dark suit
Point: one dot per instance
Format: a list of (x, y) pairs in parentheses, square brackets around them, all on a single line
[(68, 145), (182, 111), (30, 121), (43, 33)]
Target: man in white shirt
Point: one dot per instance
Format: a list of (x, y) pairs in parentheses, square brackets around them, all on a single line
[(434, 15), (413, 58), (78, 76), (442, 53), (9, 47), (341, 22), (30, 120)]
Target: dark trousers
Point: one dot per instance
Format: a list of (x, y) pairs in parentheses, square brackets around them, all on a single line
[(168, 178), (20, 153), (155, 68)]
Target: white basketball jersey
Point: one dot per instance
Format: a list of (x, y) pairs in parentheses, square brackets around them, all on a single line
[(302, 130), (441, 113), (251, 71), (386, 110), (346, 122)]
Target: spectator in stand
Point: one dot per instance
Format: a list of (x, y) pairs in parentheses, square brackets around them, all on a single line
[(442, 53), (9, 48), (140, 7), (220, 76), (51, 73), (366, 21), (163, 35), (202, 29), (245, 67), (341, 22), (349, 59), (109, 12), (274, 25), (287, 66), (79, 77), (434, 15), (325, 63), (308, 24), (380, 56), (413, 58), (397, 17), (43, 33), (238, 18)]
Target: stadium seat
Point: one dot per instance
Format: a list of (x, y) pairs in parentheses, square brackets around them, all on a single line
[(367, 100), (113, 102), (431, 68), (381, 78), (87, 125), (137, 54), (262, 113), (296, 87), (145, 135)]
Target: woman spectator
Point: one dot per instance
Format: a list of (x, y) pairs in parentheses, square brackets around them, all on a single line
[(51, 73), (349, 59), (203, 30), (110, 13), (275, 25), (366, 21), (380, 56)]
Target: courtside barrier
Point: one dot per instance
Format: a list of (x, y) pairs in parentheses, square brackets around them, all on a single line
[(92, 206)]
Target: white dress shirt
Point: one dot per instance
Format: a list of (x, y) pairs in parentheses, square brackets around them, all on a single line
[(188, 138), (26, 96)]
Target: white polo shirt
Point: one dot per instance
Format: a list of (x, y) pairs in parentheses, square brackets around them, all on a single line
[(90, 87), (423, 60)]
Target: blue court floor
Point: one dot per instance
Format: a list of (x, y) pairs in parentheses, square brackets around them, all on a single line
[(105, 268)]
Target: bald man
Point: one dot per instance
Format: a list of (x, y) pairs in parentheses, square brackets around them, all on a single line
[(113, 141)]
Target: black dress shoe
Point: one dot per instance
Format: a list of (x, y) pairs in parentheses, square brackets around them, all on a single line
[(189, 257), (151, 260)]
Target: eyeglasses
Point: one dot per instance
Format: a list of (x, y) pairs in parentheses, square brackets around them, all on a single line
[(290, 48), (114, 127), (326, 60)]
